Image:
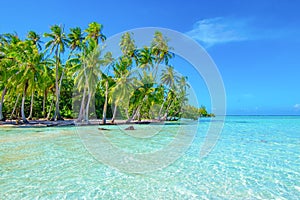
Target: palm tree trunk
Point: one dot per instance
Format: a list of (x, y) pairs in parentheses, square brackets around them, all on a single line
[(50, 109), (15, 106), (156, 68), (1, 103), (105, 103), (115, 113), (44, 103), (57, 88), (23, 105), (137, 111), (81, 111), (134, 114), (31, 105), (167, 110), (127, 114), (162, 106), (87, 107), (160, 110)]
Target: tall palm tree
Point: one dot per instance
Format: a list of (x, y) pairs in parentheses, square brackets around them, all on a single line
[(57, 43), (27, 69), (94, 31), (145, 59), (36, 38), (169, 78), (88, 75), (7, 41), (123, 81), (121, 91), (4, 74), (127, 45), (76, 38), (161, 50), (108, 81), (92, 73), (46, 82)]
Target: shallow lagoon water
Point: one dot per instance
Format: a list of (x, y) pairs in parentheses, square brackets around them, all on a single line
[(256, 157)]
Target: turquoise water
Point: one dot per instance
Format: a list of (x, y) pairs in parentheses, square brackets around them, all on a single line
[(255, 158)]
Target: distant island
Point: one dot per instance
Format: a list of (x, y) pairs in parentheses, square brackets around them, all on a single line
[(68, 74)]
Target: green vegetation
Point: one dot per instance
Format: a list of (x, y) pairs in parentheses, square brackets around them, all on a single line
[(40, 82)]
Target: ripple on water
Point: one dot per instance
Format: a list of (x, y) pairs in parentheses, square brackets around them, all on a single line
[(255, 158)]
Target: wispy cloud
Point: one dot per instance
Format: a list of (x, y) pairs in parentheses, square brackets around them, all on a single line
[(218, 30), (297, 106)]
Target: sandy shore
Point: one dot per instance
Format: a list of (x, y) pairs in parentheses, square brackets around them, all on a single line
[(67, 122)]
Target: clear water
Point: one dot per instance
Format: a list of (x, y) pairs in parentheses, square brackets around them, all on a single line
[(255, 158)]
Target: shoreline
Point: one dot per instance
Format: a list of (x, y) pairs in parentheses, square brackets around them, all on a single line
[(68, 123)]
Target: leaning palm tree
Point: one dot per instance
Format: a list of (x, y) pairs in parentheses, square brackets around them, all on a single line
[(121, 91), (143, 93), (57, 43)]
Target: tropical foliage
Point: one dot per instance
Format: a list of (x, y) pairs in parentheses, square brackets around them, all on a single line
[(39, 81)]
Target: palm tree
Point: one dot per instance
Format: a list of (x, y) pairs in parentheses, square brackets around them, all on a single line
[(168, 78), (36, 38), (88, 75), (145, 59), (161, 50), (26, 70), (122, 90), (92, 73), (7, 43), (123, 81), (4, 74), (143, 93), (127, 45), (46, 82), (107, 81), (94, 31), (75, 39), (57, 42), (1, 102)]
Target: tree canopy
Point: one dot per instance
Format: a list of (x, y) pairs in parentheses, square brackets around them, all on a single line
[(39, 81)]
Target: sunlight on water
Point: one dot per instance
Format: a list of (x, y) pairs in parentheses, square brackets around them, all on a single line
[(255, 158)]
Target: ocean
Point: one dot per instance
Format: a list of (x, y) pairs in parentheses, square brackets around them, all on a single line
[(255, 157)]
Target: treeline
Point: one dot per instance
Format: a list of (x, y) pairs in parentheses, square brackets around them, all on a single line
[(69, 74)]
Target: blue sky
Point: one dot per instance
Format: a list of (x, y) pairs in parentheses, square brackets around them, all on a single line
[(255, 44)]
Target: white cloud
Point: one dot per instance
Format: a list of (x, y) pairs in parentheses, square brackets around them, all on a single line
[(221, 30), (297, 106)]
